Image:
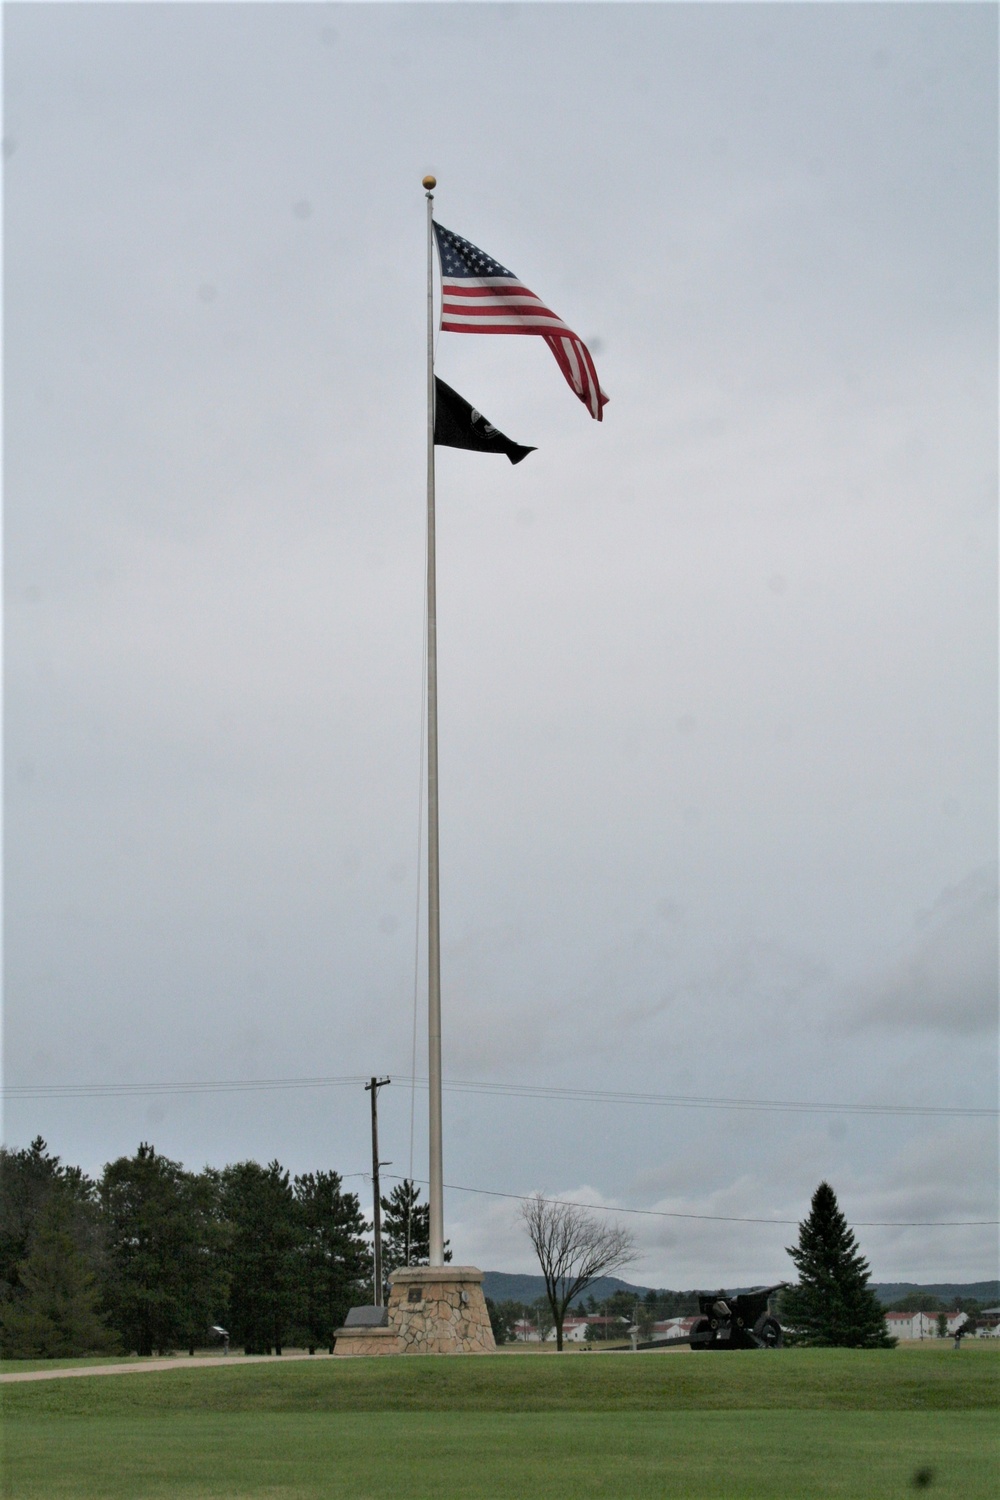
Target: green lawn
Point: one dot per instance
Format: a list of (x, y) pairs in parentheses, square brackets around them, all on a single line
[(768, 1456), (802, 1423), (920, 1378)]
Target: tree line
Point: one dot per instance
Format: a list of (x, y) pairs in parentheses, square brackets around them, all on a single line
[(926, 1302), (832, 1304), (149, 1257), (617, 1312)]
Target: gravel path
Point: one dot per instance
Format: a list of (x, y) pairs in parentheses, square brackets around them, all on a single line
[(138, 1368)]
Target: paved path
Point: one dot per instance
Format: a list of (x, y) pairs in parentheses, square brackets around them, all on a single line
[(137, 1367)]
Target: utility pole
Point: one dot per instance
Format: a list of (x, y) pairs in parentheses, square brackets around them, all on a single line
[(373, 1089)]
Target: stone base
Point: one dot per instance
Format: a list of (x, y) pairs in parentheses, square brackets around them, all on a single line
[(440, 1310), (432, 1310), (366, 1341)]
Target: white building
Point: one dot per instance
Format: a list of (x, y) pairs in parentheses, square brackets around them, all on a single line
[(922, 1325), (674, 1328)]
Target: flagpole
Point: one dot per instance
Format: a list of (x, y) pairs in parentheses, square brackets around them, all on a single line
[(436, 1172)]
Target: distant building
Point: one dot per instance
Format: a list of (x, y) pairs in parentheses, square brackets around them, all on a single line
[(922, 1325), (989, 1323), (673, 1328), (575, 1327)]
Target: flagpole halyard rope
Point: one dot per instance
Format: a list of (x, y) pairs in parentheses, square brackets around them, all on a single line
[(420, 874)]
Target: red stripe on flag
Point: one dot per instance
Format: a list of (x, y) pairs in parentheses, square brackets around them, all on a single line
[(501, 304), (488, 327), (487, 289)]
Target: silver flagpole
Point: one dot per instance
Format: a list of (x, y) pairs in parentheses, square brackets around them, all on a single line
[(436, 1173)]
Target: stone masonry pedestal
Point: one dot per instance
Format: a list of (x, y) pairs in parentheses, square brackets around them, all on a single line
[(432, 1310)]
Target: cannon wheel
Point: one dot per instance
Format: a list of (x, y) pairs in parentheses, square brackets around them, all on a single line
[(702, 1326), (768, 1330)]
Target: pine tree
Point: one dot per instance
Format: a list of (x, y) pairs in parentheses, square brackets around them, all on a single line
[(334, 1262), (53, 1314), (832, 1305), (406, 1228), (29, 1179), (165, 1279), (266, 1235)]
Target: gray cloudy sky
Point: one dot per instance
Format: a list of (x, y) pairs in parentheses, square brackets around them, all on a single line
[(718, 675)]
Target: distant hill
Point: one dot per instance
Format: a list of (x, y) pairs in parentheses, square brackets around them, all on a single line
[(986, 1292), (503, 1286)]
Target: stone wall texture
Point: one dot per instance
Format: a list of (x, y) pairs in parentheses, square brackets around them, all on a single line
[(366, 1341), (432, 1310), (440, 1310)]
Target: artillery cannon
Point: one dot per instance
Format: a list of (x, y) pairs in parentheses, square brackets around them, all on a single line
[(742, 1321)]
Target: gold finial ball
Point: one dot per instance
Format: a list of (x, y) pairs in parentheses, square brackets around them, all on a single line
[(430, 182)]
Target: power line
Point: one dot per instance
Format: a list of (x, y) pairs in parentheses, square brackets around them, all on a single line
[(655, 1213), (124, 1090), (699, 1101), (509, 1090)]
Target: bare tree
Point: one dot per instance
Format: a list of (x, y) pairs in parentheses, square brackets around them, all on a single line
[(573, 1249)]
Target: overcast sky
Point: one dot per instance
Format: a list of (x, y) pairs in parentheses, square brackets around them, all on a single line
[(717, 675)]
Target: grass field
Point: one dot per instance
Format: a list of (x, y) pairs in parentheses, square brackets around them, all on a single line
[(754, 1426)]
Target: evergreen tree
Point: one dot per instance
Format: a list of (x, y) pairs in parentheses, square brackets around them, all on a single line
[(53, 1313), (621, 1304), (334, 1261), (406, 1228), (504, 1317), (832, 1305), (667, 1304), (265, 1237), (165, 1274), (28, 1181)]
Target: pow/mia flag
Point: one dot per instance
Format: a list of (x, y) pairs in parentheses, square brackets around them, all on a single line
[(458, 425)]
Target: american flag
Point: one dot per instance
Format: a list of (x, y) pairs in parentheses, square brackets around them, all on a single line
[(478, 295)]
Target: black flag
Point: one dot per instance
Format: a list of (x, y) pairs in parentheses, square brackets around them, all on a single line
[(458, 425)]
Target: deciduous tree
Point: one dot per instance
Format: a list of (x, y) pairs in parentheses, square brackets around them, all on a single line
[(646, 1315), (541, 1312), (573, 1249), (917, 1302)]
